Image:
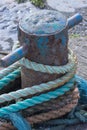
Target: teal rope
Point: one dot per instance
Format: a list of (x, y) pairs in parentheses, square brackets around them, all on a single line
[(37, 99), (32, 101), (78, 114), (11, 68), (82, 86), (9, 78), (37, 88), (8, 70), (18, 121), (62, 122)]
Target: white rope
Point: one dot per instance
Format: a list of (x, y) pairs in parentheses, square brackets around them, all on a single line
[(50, 69)]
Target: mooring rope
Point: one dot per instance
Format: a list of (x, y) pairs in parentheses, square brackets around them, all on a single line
[(37, 88), (79, 114), (50, 69), (37, 99), (9, 69), (9, 78), (52, 114), (46, 68), (55, 103), (67, 81), (18, 121)]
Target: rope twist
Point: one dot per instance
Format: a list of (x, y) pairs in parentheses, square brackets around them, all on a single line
[(37, 99), (50, 69)]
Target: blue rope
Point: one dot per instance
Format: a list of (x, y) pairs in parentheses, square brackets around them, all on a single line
[(18, 121), (78, 117), (82, 86), (21, 124), (37, 99)]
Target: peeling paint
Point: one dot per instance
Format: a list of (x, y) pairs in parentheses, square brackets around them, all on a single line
[(62, 38), (43, 22)]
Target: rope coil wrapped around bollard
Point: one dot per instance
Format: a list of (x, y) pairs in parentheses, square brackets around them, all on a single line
[(67, 81), (52, 89)]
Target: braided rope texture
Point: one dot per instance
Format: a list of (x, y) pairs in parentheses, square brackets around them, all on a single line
[(9, 78), (6, 126), (37, 88), (69, 104), (67, 108), (8, 70), (47, 97), (53, 103), (37, 99), (53, 113), (50, 69)]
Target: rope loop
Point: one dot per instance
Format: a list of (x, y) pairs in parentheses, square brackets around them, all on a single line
[(35, 100), (37, 88), (67, 82), (51, 69)]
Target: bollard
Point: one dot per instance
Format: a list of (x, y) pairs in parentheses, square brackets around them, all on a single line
[(60, 28)]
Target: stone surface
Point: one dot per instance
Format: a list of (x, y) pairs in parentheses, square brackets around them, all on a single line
[(79, 46), (2, 2), (67, 5), (10, 14)]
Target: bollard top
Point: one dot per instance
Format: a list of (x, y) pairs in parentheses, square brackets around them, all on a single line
[(43, 22)]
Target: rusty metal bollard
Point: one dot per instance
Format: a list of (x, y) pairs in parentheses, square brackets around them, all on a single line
[(43, 37), (53, 27)]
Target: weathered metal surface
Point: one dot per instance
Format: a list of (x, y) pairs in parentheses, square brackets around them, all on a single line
[(51, 50), (46, 34), (14, 56), (49, 47), (44, 22), (74, 20)]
